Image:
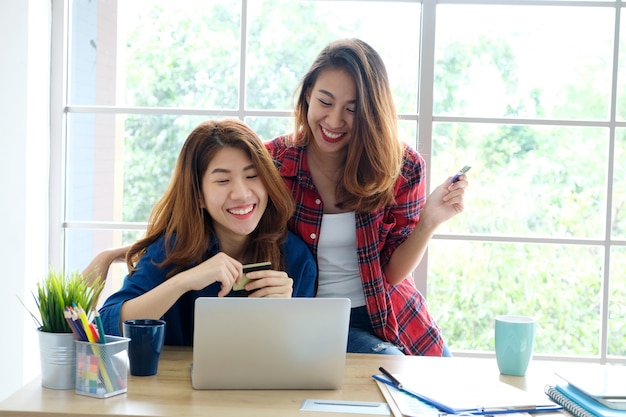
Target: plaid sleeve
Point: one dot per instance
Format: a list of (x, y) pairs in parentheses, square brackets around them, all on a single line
[(401, 218)]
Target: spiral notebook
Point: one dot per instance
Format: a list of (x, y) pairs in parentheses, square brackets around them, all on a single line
[(578, 403)]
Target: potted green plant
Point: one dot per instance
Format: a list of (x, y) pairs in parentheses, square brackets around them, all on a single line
[(54, 293)]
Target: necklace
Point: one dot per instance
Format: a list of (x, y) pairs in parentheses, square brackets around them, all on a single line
[(331, 175)]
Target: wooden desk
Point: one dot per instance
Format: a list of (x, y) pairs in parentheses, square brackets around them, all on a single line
[(169, 393)]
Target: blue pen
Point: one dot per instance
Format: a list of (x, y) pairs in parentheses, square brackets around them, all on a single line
[(461, 172)]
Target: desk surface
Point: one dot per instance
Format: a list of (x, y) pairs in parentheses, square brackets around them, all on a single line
[(169, 393)]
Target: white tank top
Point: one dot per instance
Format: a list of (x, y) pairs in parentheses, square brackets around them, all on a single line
[(337, 260)]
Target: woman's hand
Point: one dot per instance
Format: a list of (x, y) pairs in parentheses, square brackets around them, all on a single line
[(269, 283), (98, 268), (219, 268), (445, 202)]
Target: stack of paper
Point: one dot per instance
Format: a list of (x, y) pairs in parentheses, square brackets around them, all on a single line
[(438, 395), (402, 404)]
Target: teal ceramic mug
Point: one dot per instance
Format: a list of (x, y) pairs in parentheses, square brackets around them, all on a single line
[(514, 337)]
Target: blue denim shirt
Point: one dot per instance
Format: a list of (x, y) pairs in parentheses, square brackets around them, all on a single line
[(299, 265)]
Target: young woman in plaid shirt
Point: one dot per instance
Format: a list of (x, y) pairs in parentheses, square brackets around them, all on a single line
[(360, 199)]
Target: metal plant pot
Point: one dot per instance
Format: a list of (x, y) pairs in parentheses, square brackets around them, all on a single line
[(58, 360)]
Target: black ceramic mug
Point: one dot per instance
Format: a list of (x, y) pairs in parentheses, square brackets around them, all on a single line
[(146, 341)]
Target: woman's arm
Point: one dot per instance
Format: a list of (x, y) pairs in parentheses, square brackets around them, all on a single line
[(444, 202), (154, 304), (98, 268)]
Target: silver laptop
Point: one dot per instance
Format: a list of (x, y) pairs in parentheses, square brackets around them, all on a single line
[(269, 343)]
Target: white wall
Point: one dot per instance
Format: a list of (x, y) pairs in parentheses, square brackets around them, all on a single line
[(24, 151)]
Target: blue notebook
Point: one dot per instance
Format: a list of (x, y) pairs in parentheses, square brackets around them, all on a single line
[(578, 403), (604, 383)]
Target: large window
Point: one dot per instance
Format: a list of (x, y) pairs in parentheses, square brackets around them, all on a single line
[(531, 95)]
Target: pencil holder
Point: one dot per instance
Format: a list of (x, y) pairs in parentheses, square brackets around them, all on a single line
[(102, 368)]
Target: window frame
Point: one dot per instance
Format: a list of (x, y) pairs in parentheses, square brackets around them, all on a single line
[(60, 111)]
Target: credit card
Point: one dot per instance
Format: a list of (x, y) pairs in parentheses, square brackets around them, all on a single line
[(461, 172), (238, 286)]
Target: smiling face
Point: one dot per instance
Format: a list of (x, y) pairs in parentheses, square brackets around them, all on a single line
[(332, 101), (233, 194)]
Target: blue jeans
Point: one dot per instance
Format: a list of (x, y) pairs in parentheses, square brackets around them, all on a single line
[(362, 339)]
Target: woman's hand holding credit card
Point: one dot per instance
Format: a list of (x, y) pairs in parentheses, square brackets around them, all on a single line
[(241, 282), (461, 172)]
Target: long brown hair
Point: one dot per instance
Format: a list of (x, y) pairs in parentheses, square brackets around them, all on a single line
[(187, 226), (375, 153)]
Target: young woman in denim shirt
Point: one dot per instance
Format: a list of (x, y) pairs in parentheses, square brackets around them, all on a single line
[(226, 206)]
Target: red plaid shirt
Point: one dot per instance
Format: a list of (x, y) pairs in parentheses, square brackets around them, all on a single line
[(398, 313)]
